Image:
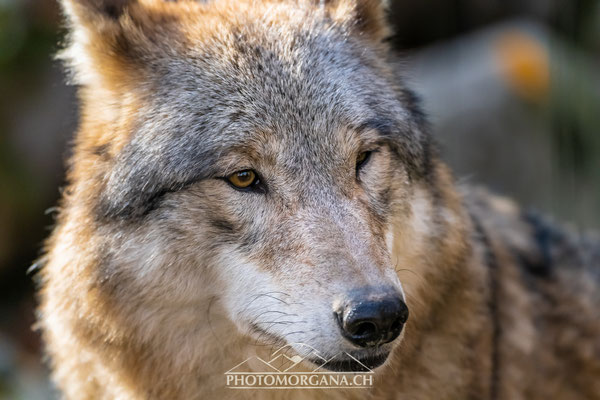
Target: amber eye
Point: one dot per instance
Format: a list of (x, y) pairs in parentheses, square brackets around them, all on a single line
[(242, 179), (362, 158)]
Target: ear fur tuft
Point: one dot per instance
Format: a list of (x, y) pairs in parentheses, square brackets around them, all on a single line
[(96, 43), (364, 16)]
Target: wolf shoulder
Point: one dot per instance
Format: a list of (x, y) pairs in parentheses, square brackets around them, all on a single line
[(557, 266)]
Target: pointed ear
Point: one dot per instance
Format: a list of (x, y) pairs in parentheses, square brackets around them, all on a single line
[(363, 16), (95, 45)]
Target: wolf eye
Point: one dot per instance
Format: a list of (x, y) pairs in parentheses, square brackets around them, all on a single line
[(362, 159), (243, 179)]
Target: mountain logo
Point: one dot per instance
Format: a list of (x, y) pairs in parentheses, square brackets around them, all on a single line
[(282, 371)]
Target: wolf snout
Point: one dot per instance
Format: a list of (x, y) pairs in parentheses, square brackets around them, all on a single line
[(368, 321)]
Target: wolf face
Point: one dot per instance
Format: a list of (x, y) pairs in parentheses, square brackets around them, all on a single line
[(257, 154)]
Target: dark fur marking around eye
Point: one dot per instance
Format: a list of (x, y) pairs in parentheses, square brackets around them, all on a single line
[(384, 126), (414, 147), (141, 175), (105, 210)]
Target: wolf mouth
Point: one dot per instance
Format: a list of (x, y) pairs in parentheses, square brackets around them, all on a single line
[(350, 363)]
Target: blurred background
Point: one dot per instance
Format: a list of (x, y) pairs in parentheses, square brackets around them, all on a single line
[(512, 88)]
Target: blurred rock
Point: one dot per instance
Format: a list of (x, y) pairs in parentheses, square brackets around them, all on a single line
[(495, 98)]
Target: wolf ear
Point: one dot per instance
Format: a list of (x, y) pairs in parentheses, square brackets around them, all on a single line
[(363, 16), (103, 39)]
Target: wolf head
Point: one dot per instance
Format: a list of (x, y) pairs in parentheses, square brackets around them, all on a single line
[(261, 154)]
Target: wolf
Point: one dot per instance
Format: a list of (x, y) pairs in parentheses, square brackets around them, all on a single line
[(250, 174)]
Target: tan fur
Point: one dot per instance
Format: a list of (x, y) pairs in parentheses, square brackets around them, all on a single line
[(126, 314)]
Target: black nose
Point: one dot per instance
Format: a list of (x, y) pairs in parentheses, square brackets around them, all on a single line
[(370, 322)]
